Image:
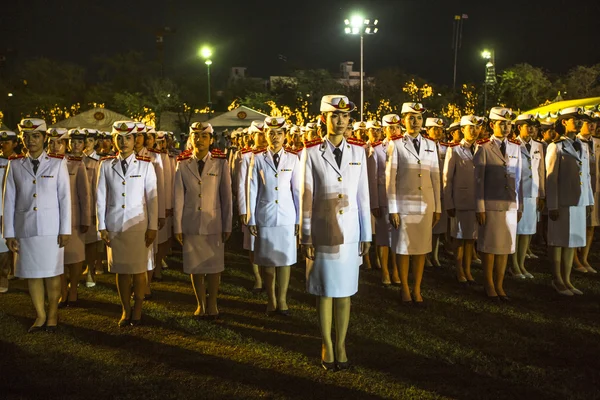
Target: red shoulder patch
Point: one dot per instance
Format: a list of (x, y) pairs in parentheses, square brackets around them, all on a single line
[(483, 141), (73, 158), (16, 156), (449, 144), (427, 137), (108, 158), (313, 143), (217, 150), (57, 156), (356, 142), (290, 150), (246, 150), (514, 141), (183, 156), (154, 151), (142, 158), (216, 154), (259, 151), (396, 137), (375, 144)]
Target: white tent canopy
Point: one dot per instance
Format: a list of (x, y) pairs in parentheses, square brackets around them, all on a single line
[(96, 118), (239, 117)]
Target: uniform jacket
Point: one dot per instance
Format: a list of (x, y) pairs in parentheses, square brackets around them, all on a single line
[(567, 175), (203, 204), (242, 181), (159, 171), (167, 178), (533, 176), (37, 204), (81, 197), (412, 179), (334, 200), (92, 164), (497, 177), (127, 202), (274, 193), (459, 177), (593, 147)]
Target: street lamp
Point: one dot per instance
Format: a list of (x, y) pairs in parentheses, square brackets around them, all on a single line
[(490, 74), (206, 54), (358, 25)]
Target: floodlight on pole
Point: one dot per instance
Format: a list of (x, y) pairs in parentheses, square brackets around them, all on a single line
[(357, 25), (490, 75), (206, 53), (486, 54)]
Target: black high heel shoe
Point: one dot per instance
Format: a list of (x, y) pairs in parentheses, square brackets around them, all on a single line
[(328, 366), (341, 366)]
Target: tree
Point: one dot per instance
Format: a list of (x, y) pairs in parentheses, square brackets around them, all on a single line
[(523, 87), (583, 81)]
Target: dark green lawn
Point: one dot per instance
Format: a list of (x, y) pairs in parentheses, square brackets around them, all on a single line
[(540, 346)]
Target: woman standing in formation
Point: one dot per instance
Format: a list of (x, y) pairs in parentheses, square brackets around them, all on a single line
[(7, 139), (37, 220), (202, 216), (127, 213), (274, 201), (335, 224)]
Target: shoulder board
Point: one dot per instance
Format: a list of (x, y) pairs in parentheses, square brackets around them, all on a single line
[(154, 151), (259, 151), (73, 158), (396, 137), (91, 158), (142, 158), (182, 157), (217, 150), (244, 151), (450, 144), (514, 142), (164, 152), (215, 154), (483, 141), (108, 158), (375, 144), (58, 156), (290, 150), (427, 137), (313, 143), (356, 142), (16, 156)]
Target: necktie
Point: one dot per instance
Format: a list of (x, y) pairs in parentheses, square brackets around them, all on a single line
[(276, 160), (503, 149), (577, 146), (590, 145), (528, 147), (200, 167), (124, 166), (36, 164), (338, 156), (416, 144), (472, 148)]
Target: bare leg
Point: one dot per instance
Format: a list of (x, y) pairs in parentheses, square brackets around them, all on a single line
[(556, 257), (418, 266), (488, 271), (403, 264), (283, 281), (578, 266), (258, 283), (383, 255), (124, 289), (589, 236), (74, 275), (270, 286), (5, 265), (36, 291), (200, 292), (53, 291), (395, 274), (459, 253), (325, 311), (435, 260), (163, 249), (567, 265), (64, 287), (468, 253), (139, 283), (341, 309), (500, 261), (523, 246), (367, 261), (213, 281), (149, 275)]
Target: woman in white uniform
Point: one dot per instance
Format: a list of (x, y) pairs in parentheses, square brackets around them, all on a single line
[(58, 138), (6, 256), (202, 216), (459, 197), (37, 220), (274, 201), (498, 200), (127, 214), (413, 195), (569, 197), (335, 224), (94, 247)]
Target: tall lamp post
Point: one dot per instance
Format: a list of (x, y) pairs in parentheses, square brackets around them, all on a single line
[(358, 25), (490, 74), (206, 54)]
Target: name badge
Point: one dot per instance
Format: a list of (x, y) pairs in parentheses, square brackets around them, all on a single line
[(211, 174), (354, 163), (72, 174), (513, 157), (47, 176), (135, 176), (429, 151), (286, 170), (536, 152)]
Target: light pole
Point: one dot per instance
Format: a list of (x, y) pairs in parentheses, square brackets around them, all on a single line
[(206, 53), (490, 75), (358, 25)]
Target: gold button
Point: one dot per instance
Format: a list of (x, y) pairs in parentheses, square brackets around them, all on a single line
[(199, 183), (530, 167), (581, 173), (276, 175), (505, 164), (199, 208), (123, 206), (419, 162), (123, 182), (200, 195), (34, 181), (580, 183), (123, 194), (531, 176), (340, 179), (276, 201), (580, 163), (420, 175), (276, 188), (505, 187), (35, 194), (420, 188), (340, 196), (341, 211), (34, 208)]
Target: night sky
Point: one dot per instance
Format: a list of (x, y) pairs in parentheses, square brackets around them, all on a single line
[(414, 35)]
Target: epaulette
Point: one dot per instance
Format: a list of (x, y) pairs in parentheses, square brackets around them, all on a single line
[(154, 151), (184, 156), (259, 151), (483, 141), (290, 150), (57, 156), (313, 143), (246, 150), (514, 141), (92, 158), (142, 158), (449, 144), (396, 137), (108, 158), (427, 137), (73, 158), (217, 150), (216, 154), (375, 144), (356, 142), (16, 156)]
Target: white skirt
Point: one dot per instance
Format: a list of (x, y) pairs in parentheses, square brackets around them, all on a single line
[(528, 223), (442, 226), (383, 228), (464, 225), (248, 239), (75, 249), (128, 254), (569, 229), (275, 246), (413, 236), (499, 234), (334, 272), (39, 257), (203, 254)]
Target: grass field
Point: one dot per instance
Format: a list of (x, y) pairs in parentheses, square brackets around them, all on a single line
[(460, 346)]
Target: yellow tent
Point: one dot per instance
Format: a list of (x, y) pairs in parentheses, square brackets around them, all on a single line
[(553, 108)]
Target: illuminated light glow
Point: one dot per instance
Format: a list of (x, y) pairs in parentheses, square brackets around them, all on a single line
[(205, 52), (376, 22), (356, 21), (486, 54), (489, 64), (375, 30), (10, 95), (208, 62), (355, 31), (367, 21), (368, 30), (348, 29), (347, 21)]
